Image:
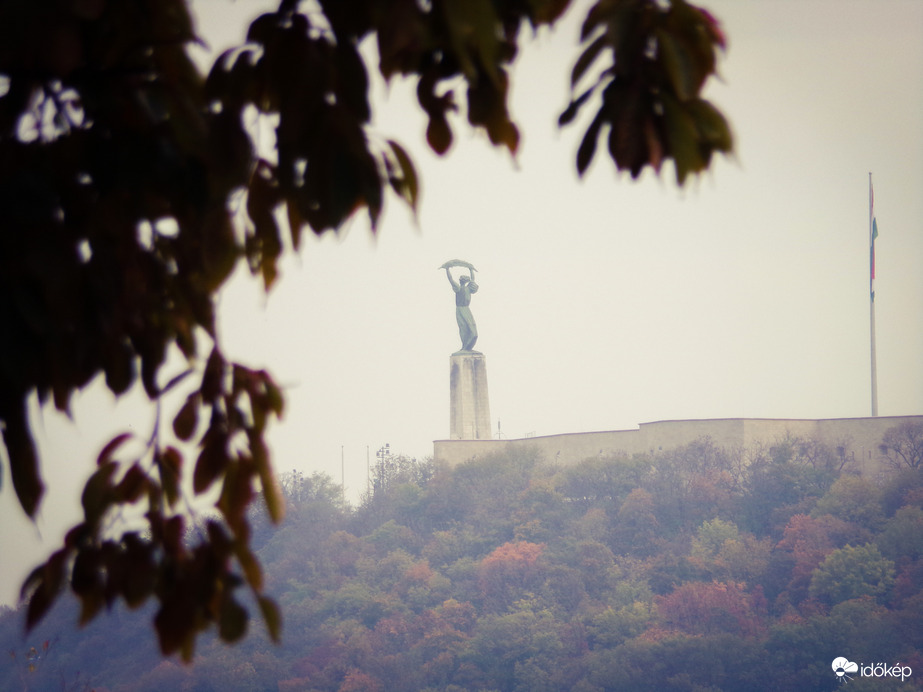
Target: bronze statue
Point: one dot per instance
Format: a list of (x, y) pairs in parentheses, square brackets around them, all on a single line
[(464, 287)]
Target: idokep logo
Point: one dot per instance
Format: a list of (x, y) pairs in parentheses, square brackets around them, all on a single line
[(842, 667)]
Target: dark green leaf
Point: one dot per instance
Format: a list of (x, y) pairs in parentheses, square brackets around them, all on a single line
[(272, 491), (139, 570), (250, 566), (266, 245), (573, 107), (23, 462), (120, 368), (236, 494), (173, 534), (352, 81), (682, 139), (679, 65), (587, 147), (262, 28), (232, 623), (170, 463), (272, 617), (45, 585), (407, 185), (712, 127), (586, 59)]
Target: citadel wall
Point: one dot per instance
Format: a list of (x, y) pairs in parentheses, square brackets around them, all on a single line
[(858, 438)]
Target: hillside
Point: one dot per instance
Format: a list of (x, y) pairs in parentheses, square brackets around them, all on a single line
[(696, 569)]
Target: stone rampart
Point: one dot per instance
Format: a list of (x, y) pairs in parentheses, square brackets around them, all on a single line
[(858, 437)]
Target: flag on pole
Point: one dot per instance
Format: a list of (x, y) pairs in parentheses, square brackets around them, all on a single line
[(873, 233)]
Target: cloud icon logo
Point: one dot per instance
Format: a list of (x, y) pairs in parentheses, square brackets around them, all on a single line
[(841, 666)]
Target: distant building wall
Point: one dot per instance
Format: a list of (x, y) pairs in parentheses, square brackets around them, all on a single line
[(857, 437)]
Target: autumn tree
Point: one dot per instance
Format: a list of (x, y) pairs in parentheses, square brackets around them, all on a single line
[(805, 543), (854, 499), (902, 445), (509, 571), (852, 572), (701, 608), (784, 479), (119, 163), (637, 528), (722, 551), (902, 535)]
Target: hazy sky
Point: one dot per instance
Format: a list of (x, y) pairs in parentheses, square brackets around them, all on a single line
[(604, 302)]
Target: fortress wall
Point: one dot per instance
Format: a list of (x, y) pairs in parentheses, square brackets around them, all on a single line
[(859, 437), (670, 434)]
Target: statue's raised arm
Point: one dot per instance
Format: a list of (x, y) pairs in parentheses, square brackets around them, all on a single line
[(464, 287), (448, 273)]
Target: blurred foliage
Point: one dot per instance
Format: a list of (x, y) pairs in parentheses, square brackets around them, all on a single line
[(130, 189), (380, 598)]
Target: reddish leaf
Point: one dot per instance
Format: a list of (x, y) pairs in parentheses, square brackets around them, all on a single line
[(438, 134), (132, 485), (187, 419), (212, 378), (105, 455), (98, 493), (212, 461)]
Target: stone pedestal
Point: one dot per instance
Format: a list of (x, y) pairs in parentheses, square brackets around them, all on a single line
[(469, 410)]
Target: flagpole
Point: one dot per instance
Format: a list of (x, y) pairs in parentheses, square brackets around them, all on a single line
[(874, 358)]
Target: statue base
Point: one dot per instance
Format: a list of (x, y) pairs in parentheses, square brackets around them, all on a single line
[(469, 408)]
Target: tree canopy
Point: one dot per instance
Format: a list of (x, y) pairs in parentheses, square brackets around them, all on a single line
[(130, 189), (503, 574)]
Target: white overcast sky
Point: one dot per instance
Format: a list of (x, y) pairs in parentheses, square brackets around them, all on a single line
[(604, 302)]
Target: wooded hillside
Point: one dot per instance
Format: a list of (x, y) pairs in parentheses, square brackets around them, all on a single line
[(690, 570)]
